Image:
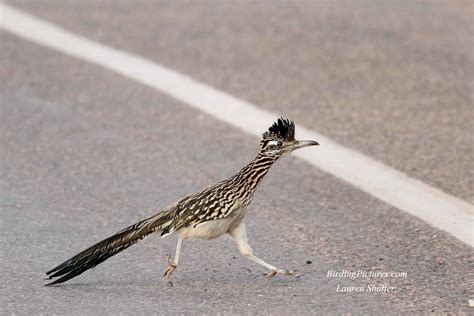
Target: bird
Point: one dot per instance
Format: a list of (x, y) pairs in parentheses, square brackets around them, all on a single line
[(215, 211)]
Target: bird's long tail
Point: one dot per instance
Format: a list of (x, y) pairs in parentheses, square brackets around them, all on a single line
[(108, 247)]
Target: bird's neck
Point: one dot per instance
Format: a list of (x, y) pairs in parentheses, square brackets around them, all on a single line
[(252, 174)]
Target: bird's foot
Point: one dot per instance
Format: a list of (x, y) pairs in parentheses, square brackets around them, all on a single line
[(169, 270), (272, 273)]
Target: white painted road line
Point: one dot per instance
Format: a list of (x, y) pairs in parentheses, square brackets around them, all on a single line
[(387, 184)]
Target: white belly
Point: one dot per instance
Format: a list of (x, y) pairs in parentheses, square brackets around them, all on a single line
[(214, 229), (208, 230)]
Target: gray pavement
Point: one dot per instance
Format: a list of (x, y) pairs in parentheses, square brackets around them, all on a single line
[(391, 79), (85, 152)]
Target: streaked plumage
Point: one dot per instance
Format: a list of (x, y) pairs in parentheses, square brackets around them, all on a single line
[(208, 214)]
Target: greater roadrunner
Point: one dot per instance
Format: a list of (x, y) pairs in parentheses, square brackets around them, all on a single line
[(208, 214)]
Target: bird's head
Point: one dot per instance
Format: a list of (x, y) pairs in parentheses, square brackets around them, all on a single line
[(280, 139)]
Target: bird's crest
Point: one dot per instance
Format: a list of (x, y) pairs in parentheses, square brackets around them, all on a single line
[(283, 129)]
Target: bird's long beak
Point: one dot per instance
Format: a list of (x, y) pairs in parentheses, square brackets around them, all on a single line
[(304, 143)]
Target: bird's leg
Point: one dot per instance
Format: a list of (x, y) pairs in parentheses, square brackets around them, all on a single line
[(172, 264), (239, 235)]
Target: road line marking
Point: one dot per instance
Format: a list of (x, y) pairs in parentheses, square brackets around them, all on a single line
[(387, 184)]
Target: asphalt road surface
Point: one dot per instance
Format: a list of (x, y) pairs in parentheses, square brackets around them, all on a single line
[(86, 152)]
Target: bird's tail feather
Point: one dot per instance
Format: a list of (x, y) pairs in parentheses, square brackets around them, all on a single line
[(108, 247)]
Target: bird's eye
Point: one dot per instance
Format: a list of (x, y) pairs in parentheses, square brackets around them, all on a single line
[(279, 143)]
